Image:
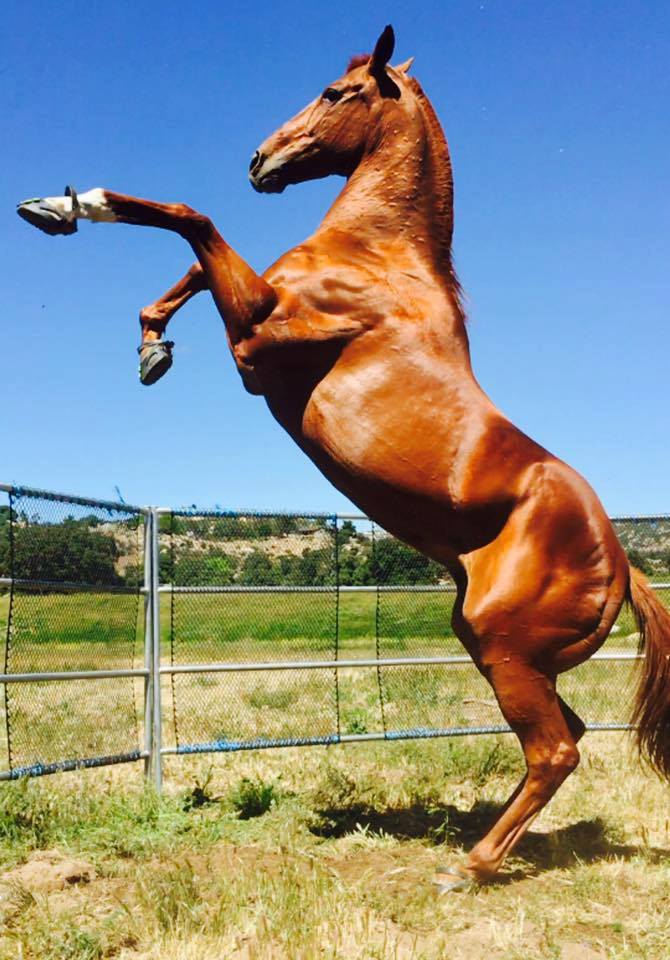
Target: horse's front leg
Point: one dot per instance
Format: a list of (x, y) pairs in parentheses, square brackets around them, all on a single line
[(243, 298), (156, 353), (155, 317)]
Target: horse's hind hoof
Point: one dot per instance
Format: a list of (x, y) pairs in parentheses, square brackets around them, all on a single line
[(43, 215), (155, 360), (452, 879)]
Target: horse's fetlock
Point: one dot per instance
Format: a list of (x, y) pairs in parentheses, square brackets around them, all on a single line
[(482, 863), (153, 318)]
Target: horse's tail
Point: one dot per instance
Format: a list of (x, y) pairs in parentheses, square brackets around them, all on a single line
[(651, 713)]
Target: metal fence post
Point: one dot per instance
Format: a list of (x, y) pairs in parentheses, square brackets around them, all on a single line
[(148, 642), (157, 745)]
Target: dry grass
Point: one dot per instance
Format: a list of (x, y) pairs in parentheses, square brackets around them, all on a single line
[(329, 852), (88, 632), (325, 852)]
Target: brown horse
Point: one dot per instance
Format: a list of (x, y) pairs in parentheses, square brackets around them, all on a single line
[(356, 339)]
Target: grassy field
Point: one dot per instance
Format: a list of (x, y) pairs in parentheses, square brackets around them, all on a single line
[(92, 631), (320, 852), (328, 853)]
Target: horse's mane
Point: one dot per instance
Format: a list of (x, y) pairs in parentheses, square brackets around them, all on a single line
[(358, 60), (441, 172), (443, 184)]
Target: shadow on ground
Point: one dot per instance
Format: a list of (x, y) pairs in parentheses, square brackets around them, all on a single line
[(586, 841)]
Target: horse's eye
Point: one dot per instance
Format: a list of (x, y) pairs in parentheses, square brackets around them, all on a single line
[(331, 94)]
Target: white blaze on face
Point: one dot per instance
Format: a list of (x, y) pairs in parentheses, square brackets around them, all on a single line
[(92, 206)]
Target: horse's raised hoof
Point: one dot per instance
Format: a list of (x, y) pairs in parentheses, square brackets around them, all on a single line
[(43, 215), (155, 360), (452, 879)]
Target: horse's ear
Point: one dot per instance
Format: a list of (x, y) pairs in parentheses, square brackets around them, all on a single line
[(404, 67), (383, 51)]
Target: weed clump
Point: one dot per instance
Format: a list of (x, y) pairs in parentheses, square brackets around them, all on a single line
[(253, 798)]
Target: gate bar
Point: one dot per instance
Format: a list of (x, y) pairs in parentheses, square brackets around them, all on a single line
[(58, 585), (461, 659), (148, 663), (71, 675), (156, 654), (60, 766), (343, 588), (327, 740), (19, 489), (272, 588)]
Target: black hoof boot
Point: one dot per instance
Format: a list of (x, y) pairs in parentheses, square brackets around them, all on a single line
[(41, 214), (155, 360)]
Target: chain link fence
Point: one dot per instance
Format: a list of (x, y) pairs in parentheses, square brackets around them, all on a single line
[(265, 630), (247, 588), (71, 577), (256, 601)]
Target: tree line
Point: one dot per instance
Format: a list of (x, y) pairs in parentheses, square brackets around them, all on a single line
[(75, 550), (71, 551)]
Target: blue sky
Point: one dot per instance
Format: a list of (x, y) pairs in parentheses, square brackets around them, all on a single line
[(558, 122)]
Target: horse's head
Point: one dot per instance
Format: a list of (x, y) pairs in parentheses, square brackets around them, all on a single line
[(333, 132)]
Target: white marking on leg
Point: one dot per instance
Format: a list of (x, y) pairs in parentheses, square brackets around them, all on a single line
[(92, 206), (63, 205)]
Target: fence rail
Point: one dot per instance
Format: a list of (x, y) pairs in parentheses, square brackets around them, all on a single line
[(279, 629)]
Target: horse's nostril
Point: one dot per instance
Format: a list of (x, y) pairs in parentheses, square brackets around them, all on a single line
[(256, 161)]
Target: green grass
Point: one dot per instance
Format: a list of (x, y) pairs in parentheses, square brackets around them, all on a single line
[(231, 623), (92, 631), (320, 852)]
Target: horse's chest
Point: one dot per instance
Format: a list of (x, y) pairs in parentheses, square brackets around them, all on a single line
[(374, 418), (336, 421), (361, 421)]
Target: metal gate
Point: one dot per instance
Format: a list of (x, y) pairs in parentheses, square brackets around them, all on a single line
[(135, 632)]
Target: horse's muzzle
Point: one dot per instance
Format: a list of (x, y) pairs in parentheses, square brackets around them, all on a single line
[(257, 162), (269, 181)]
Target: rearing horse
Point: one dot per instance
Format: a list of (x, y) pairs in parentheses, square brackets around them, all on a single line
[(356, 339)]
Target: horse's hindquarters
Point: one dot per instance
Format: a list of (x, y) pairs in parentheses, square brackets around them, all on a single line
[(549, 588)]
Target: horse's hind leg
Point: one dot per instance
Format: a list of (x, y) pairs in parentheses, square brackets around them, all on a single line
[(576, 726), (531, 706)]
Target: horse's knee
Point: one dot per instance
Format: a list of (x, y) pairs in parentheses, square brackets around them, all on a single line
[(193, 223), (250, 381)]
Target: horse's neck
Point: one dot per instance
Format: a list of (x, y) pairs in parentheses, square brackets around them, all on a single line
[(401, 196), (383, 199)]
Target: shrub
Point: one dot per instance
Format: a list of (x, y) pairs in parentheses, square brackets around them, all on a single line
[(637, 559), (68, 551), (253, 798)]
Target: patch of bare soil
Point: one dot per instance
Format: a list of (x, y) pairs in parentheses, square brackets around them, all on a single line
[(464, 927), (581, 951), (396, 870), (47, 871)]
